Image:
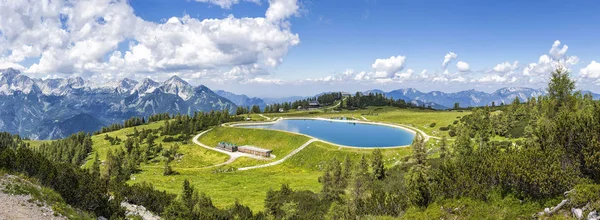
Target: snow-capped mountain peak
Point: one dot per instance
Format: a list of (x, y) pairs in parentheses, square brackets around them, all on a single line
[(24, 84), (7, 75), (179, 87), (75, 82), (146, 86), (12, 81), (126, 85)]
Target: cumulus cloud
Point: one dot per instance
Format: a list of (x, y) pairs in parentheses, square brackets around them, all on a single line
[(548, 62), (83, 37), (462, 66), (459, 79), (387, 68), (281, 9), (259, 80), (556, 52), (591, 71), (226, 3), (448, 58), (506, 67), (405, 75), (494, 78), (348, 75)]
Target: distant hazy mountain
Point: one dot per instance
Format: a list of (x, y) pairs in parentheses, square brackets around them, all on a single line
[(54, 108), (241, 100), (467, 98), (594, 95)]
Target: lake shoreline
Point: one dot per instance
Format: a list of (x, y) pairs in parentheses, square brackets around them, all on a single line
[(410, 130)]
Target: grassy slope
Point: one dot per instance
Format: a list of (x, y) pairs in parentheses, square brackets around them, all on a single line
[(421, 119), (281, 143), (249, 187), (194, 156), (301, 171)]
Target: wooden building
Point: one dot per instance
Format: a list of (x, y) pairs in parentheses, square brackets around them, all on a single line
[(227, 146), (313, 105), (255, 151)]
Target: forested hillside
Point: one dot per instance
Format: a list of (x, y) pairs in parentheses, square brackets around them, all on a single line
[(510, 164)]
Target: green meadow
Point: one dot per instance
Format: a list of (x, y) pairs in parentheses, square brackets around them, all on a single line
[(300, 171)]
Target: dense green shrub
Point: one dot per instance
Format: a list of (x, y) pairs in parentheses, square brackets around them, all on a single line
[(584, 194)]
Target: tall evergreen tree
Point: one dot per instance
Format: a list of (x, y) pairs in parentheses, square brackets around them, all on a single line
[(377, 165)]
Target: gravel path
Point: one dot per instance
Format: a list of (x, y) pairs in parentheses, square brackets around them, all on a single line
[(19, 207), (261, 115)]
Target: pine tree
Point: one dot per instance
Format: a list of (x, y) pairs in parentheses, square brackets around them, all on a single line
[(444, 148), (348, 168), (96, 165), (377, 165), (561, 86), (417, 178), (189, 197), (167, 169)]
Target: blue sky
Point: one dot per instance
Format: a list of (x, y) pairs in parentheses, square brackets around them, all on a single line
[(316, 46)]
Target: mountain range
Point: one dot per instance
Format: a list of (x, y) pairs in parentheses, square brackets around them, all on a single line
[(55, 108), (467, 98), (242, 100)]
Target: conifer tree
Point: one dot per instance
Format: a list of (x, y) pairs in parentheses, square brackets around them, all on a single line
[(377, 165)]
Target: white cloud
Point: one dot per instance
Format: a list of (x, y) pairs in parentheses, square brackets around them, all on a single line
[(448, 58), (439, 79), (281, 9), (82, 37), (423, 75), (387, 68), (493, 78), (544, 65), (556, 52), (260, 80), (591, 71), (405, 75), (226, 3), (547, 63), (506, 67), (462, 66), (459, 79), (6, 65)]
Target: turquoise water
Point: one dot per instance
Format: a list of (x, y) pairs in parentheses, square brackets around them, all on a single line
[(345, 133)]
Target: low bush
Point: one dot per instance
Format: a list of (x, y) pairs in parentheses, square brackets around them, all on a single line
[(452, 133)]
